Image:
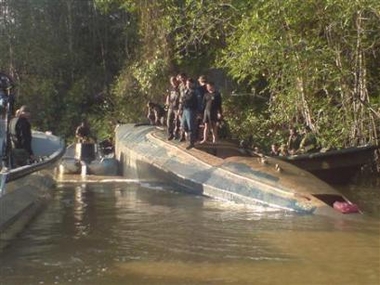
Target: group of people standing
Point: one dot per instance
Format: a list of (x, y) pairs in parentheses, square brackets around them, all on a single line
[(190, 105)]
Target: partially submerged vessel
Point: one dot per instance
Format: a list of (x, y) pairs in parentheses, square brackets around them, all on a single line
[(226, 172), (88, 159)]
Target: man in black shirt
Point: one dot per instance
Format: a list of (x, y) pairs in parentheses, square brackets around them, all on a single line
[(212, 101)]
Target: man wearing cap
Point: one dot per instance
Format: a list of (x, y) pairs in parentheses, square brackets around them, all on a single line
[(21, 135)]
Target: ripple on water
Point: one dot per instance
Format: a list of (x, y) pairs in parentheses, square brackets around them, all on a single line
[(112, 234)]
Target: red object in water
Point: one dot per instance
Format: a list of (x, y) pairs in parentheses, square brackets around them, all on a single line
[(346, 207)]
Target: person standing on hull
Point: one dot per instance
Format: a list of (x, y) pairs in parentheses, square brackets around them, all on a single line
[(21, 136), (172, 102), (201, 91), (189, 109), (212, 102), (181, 78)]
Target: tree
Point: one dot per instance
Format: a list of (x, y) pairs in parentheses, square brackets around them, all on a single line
[(314, 57), (64, 55)]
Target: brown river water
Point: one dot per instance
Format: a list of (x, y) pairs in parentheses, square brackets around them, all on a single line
[(147, 233)]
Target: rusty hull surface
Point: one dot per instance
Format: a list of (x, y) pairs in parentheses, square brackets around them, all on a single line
[(144, 151)]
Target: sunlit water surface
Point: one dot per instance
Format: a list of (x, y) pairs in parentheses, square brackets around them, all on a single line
[(136, 233)]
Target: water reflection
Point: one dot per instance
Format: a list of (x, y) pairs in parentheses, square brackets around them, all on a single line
[(152, 234)]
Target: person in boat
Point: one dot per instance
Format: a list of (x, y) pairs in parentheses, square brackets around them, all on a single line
[(308, 142), (188, 106), (21, 137), (172, 103), (83, 133), (212, 101), (156, 114), (294, 141), (107, 145)]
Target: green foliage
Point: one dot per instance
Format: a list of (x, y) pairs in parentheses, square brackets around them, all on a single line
[(129, 103), (63, 56), (147, 74), (306, 62), (314, 57), (42, 104)]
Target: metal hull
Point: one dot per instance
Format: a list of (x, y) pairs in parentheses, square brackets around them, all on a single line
[(229, 175)]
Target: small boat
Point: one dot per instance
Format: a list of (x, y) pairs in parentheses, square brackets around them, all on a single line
[(225, 171), (24, 184), (88, 159), (26, 188), (335, 166), (47, 149)]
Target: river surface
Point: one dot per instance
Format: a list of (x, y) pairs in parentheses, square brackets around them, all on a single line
[(146, 233)]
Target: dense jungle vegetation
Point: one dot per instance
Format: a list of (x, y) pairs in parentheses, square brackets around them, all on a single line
[(277, 62)]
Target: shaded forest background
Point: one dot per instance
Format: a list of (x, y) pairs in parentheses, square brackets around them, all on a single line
[(277, 63)]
